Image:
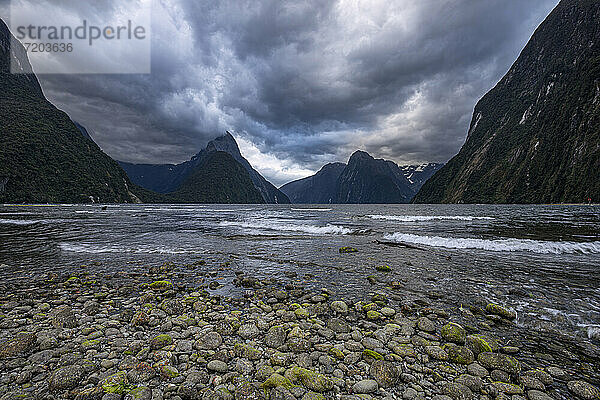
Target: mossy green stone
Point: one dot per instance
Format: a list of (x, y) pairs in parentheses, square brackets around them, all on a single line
[(313, 396), (161, 341), (310, 379), (371, 354), (373, 315), (348, 250), (337, 353), (459, 354), (116, 383), (276, 380), (161, 285), (454, 333), (501, 311), (383, 268)]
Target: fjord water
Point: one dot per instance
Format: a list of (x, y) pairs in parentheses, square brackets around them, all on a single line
[(543, 261)]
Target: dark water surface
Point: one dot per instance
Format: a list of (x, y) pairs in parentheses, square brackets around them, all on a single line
[(543, 261)]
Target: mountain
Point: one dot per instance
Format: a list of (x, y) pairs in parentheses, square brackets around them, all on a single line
[(168, 178), (366, 180), (363, 180), (44, 158), (535, 137), (218, 179), (83, 131), (316, 189)]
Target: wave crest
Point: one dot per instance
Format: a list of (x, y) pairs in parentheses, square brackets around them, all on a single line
[(422, 218), (506, 245), (289, 226)]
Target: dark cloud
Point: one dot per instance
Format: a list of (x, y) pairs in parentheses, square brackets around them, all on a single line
[(304, 82)]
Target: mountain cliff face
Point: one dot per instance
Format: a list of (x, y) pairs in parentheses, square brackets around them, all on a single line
[(364, 180), (317, 189), (219, 179), (169, 178), (44, 158), (535, 137)]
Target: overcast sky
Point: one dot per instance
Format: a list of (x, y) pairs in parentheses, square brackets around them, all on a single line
[(302, 82)]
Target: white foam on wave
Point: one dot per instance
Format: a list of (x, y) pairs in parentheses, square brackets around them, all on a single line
[(310, 209), (505, 245), (19, 222), (93, 249), (422, 218), (281, 225)]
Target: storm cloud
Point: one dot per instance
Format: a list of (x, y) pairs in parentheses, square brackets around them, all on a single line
[(303, 82)]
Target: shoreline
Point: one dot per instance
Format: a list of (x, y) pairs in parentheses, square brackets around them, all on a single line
[(145, 336)]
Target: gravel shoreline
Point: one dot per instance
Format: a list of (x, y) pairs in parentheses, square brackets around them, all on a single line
[(149, 337)]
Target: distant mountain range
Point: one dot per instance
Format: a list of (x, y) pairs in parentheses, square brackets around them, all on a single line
[(169, 178), (364, 180), (535, 137)]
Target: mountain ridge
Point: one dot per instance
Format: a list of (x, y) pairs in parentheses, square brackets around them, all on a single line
[(363, 180), (535, 136), (45, 158), (167, 178)]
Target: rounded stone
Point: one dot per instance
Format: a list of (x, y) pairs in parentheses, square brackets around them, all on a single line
[(584, 390), (209, 341), (365, 386), (385, 373), (217, 366)]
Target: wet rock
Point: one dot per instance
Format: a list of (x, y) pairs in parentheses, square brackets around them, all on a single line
[(63, 317), (583, 390), (161, 286), (115, 383), (365, 386), (437, 353), (139, 393), (248, 331), (217, 366), (65, 378), (507, 388), (457, 391), (309, 379), (481, 344), (495, 309), (142, 372), (454, 333), (338, 325), (248, 391), (275, 337), (558, 373), (474, 383), (160, 341), (21, 343), (209, 341), (339, 307), (425, 324), (502, 362), (459, 354), (538, 395), (385, 373)]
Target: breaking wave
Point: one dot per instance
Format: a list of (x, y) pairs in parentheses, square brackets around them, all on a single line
[(420, 218), (310, 209), (535, 246), (288, 226), (19, 222)]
